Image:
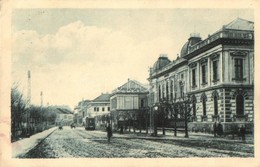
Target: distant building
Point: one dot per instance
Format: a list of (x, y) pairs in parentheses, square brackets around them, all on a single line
[(100, 109), (64, 116), (80, 111), (216, 73), (129, 105)]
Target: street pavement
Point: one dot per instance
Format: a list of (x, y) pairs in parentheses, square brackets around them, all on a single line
[(26, 144), (69, 143)]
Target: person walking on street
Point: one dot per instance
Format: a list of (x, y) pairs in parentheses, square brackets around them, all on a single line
[(109, 132), (215, 129), (242, 132), (121, 130), (220, 129)]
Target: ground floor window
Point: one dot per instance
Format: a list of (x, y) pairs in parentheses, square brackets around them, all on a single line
[(194, 108), (204, 106), (240, 105), (215, 105)]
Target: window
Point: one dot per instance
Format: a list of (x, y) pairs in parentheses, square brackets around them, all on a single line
[(108, 108), (142, 103), (204, 73), (204, 106), (103, 108), (181, 91), (238, 68), (215, 70), (163, 91), (171, 90), (194, 107), (167, 91), (194, 77), (240, 105), (97, 108), (215, 105), (160, 93)]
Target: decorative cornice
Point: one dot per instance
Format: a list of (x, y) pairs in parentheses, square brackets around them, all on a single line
[(238, 53), (192, 65), (203, 60), (214, 56)]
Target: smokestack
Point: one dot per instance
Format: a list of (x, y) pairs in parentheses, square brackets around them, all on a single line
[(29, 74), (29, 88), (41, 99)]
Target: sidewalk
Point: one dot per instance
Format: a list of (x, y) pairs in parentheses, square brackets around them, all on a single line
[(180, 136), (24, 145)]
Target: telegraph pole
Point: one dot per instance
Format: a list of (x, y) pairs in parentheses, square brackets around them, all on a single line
[(41, 111), (28, 132)]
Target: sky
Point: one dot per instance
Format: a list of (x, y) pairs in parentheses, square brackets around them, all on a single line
[(76, 54)]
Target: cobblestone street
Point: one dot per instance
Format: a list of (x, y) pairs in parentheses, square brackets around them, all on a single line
[(80, 143)]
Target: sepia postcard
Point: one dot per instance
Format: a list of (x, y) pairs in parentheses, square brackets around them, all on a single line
[(129, 83)]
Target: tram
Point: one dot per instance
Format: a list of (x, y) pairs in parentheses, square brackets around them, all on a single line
[(90, 123)]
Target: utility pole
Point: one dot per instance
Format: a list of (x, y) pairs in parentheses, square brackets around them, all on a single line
[(28, 132), (41, 111)]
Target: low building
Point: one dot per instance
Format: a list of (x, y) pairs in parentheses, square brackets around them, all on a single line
[(64, 116), (129, 106), (99, 108), (80, 111)]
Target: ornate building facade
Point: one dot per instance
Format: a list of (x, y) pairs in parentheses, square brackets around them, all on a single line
[(129, 106), (217, 74)]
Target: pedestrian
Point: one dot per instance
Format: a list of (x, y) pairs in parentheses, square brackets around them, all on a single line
[(109, 132), (220, 129), (121, 130), (215, 129), (242, 133)]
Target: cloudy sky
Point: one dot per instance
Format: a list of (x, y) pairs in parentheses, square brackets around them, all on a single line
[(80, 53)]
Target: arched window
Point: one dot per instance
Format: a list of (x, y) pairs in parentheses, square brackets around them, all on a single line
[(167, 91), (194, 107), (171, 90), (203, 99), (160, 92), (194, 101), (204, 106), (240, 105), (215, 105)]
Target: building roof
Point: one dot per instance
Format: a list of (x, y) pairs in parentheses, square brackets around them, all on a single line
[(194, 38), (237, 24), (84, 102), (104, 97), (240, 24), (160, 63), (60, 110), (131, 86)]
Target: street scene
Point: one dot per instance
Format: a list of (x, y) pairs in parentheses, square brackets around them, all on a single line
[(76, 143), (132, 83)]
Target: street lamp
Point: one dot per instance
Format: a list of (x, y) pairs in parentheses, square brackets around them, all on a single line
[(150, 114), (155, 119)]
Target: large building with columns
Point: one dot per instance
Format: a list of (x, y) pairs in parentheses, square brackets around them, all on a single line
[(216, 73)]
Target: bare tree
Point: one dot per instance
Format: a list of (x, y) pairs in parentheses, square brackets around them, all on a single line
[(18, 110)]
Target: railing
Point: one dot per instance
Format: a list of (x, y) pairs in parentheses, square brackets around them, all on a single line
[(167, 67), (233, 34)]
